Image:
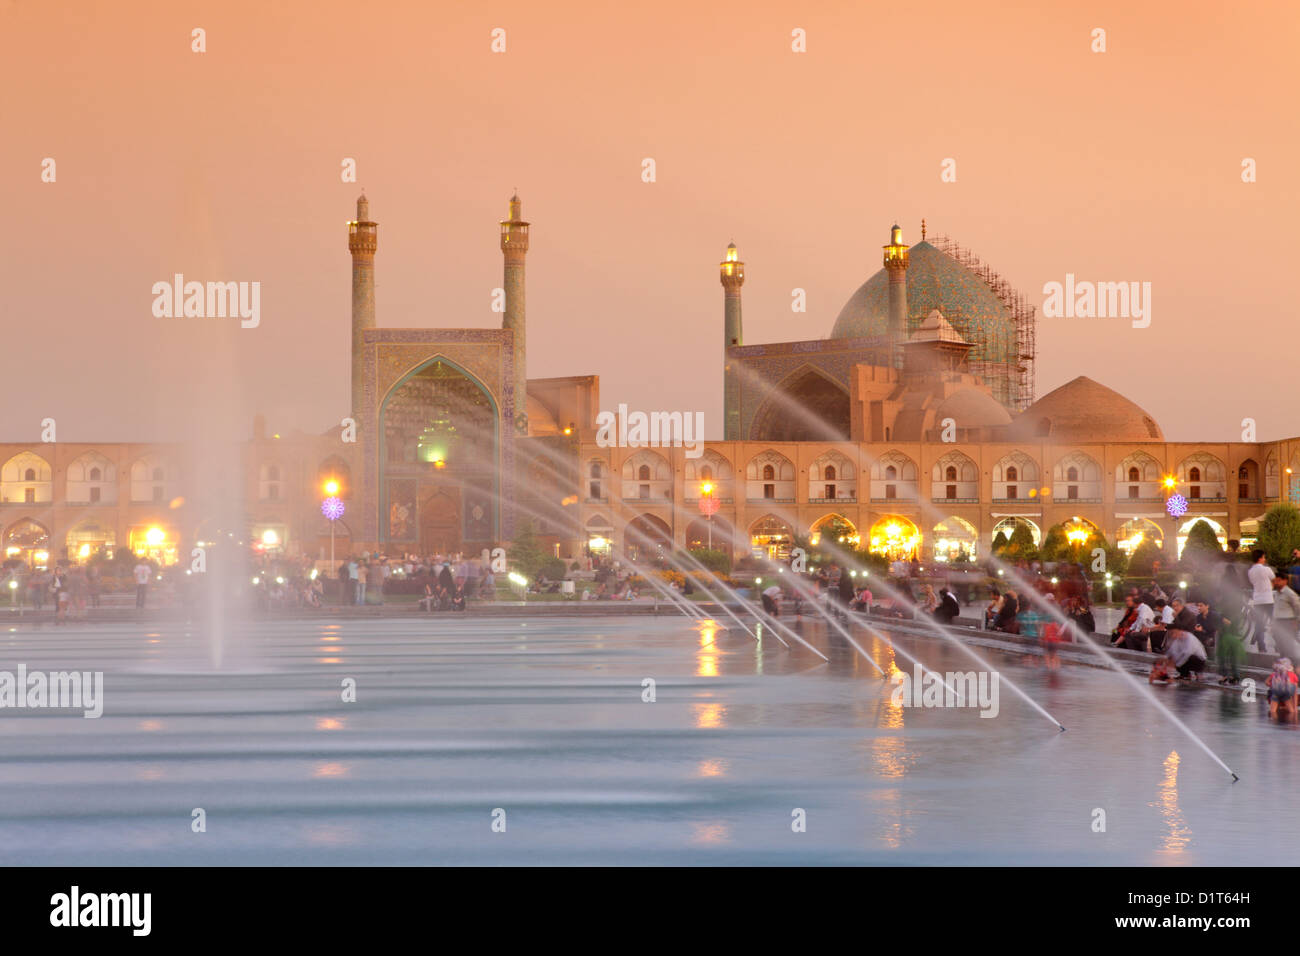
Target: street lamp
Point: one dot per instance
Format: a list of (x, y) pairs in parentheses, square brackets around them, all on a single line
[(332, 508), (708, 507)]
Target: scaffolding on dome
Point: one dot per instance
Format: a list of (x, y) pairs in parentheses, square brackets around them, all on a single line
[(1022, 384)]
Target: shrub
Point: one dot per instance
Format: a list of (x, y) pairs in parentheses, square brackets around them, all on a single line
[(712, 558), (1021, 544), (552, 567), (1142, 562), (526, 555), (1202, 549), (1279, 534)]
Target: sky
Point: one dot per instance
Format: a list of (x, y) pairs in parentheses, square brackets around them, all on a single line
[(225, 165)]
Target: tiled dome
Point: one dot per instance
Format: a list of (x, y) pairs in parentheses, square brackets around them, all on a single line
[(935, 280)]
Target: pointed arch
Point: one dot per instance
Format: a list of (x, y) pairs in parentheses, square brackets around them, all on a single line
[(894, 477), (806, 405), (1015, 476), (26, 478), (1076, 477), (955, 477), (832, 476)]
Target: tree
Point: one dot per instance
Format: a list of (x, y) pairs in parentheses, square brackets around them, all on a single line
[(1116, 559), (1056, 546), (1021, 546), (1142, 562), (1202, 550), (525, 554), (829, 535), (1279, 534), (1000, 543)]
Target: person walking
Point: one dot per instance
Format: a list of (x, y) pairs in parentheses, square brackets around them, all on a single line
[(1260, 576), (143, 572), (354, 580)]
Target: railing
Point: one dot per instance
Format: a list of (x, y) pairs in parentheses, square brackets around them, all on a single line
[(770, 501), (833, 501), (956, 501), (1213, 501), (890, 501)]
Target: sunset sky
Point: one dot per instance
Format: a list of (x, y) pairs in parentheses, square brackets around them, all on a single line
[(225, 165)]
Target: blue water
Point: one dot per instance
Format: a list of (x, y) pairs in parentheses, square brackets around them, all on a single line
[(545, 720)]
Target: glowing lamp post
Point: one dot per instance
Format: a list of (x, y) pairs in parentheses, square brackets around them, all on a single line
[(332, 508), (708, 507)]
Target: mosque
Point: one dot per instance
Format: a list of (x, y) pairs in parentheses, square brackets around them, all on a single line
[(914, 423)]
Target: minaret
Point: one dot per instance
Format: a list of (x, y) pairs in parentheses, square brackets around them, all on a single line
[(896, 266), (514, 247), (363, 239), (733, 277)]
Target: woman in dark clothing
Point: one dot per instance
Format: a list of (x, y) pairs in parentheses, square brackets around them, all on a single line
[(948, 608), (847, 590), (1006, 619), (445, 579)]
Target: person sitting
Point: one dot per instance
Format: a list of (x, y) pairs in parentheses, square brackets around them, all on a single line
[(1007, 613), (427, 601), (458, 597), (1208, 622), (1138, 635), (1282, 689), (991, 610), (863, 601), (1130, 612), (1164, 616)]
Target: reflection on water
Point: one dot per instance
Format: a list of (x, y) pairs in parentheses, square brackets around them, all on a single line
[(711, 768), (712, 832), (709, 715), (707, 657), (462, 716), (1178, 834)]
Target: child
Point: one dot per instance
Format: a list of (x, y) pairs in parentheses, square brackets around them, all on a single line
[(1282, 686), (1162, 671)]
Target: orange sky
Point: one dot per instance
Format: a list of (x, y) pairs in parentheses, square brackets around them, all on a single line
[(225, 165)]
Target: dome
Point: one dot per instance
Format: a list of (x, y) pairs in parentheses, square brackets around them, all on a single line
[(1084, 411), (935, 280), (972, 408)]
